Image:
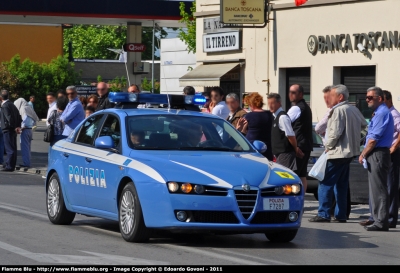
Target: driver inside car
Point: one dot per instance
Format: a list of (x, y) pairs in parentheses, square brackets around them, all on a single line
[(137, 138)]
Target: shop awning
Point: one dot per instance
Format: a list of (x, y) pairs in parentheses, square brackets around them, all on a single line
[(206, 75)]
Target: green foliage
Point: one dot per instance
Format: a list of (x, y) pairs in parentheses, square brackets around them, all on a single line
[(117, 84), (188, 36), (92, 41), (99, 78), (146, 86), (26, 78)]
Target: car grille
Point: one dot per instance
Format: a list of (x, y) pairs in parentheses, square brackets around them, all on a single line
[(220, 217), (246, 201), (271, 217)]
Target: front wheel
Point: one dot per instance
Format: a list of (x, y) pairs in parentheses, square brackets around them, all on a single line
[(56, 209), (281, 236), (131, 222)]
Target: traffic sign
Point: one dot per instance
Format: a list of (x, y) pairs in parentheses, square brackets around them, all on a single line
[(134, 47)]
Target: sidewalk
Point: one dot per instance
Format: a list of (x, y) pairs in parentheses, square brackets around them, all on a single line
[(39, 152)]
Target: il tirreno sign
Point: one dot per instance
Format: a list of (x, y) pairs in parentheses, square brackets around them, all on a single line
[(243, 11), (346, 42), (221, 41)]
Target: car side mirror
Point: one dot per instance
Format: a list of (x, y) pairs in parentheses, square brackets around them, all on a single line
[(260, 146), (104, 142)]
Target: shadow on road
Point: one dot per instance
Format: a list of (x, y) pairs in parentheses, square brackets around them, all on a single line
[(307, 238)]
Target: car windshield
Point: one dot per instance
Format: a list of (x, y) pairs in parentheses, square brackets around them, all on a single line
[(167, 132)]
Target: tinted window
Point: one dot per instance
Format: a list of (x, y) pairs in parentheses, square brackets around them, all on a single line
[(112, 128), (184, 133), (88, 130)]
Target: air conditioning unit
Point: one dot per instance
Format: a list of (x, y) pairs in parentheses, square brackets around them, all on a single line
[(141, 68)]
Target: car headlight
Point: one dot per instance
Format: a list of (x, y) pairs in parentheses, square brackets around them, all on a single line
[(199, 189), (186, 188), (296, 188), (287, 189), (173, 186)]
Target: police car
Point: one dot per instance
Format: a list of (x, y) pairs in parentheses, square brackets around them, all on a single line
[(167, 166)]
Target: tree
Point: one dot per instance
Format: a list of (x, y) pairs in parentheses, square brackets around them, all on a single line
[(188, 36), (92, 41), (26, 78)]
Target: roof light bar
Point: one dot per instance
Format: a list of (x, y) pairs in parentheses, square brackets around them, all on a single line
[(143, 98)]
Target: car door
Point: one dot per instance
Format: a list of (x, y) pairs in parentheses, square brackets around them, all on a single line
[(105, 162), (77, 153)]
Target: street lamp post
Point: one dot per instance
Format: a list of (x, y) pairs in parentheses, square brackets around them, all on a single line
[(152, 64)]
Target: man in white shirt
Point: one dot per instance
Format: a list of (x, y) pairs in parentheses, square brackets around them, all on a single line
[(284, 143), (51, 100), (218, 106)]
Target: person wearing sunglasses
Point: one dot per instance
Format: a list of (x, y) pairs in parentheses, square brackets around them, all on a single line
[(73, 113), (377, 154), (104, 102)]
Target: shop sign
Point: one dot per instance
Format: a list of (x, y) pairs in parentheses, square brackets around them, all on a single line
[(132, 47), (243, 11), (214, 25), (86, 90), (221, 41), (344, 42)]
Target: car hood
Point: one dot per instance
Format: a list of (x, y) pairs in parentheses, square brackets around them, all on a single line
[(223, 169)]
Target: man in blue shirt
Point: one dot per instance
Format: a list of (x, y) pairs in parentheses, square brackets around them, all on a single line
[(377, 153), (74, 112)]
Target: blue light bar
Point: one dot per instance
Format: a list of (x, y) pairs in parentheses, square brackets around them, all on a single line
[(143, 98)]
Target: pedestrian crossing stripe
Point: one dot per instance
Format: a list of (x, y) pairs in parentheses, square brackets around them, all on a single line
[(285, 175)]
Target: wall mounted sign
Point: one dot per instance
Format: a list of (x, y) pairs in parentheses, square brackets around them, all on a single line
[(226, 41), (344, 42), (134, 47), (214, 25), (243, 11), (86, 90)]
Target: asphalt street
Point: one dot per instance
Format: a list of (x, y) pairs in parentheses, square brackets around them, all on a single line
[(27, 236)]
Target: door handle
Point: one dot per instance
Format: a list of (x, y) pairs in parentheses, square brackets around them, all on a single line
[(88, 159), (65, 154)]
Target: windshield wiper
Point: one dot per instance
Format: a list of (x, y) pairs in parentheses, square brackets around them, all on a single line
[(208, 149)]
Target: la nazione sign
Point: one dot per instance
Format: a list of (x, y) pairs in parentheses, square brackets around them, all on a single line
[(243, 11)]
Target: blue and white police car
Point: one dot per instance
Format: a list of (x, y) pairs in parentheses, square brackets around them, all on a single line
[(170, 168)]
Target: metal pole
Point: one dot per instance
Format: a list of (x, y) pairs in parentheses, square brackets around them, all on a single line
[(152, 65)]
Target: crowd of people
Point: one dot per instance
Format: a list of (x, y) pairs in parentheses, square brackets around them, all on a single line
[(287, 135)]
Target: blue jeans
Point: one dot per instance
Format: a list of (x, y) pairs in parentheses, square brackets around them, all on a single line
[(336, 182), (26, 140), (1, 147)]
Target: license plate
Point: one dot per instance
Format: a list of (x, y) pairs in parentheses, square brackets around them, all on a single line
[(276, 204)]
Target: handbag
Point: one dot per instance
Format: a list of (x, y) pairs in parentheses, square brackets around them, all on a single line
[(49, 133), (318, 170)]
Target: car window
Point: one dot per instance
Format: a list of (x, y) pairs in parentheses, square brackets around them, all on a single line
[(89, 129), (166, 132), (112, 128)]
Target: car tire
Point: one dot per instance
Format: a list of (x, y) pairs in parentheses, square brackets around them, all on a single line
[(131, 222), (56, 209), (281, 236)]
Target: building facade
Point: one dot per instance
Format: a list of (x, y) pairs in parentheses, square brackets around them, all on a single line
[(318, 44)]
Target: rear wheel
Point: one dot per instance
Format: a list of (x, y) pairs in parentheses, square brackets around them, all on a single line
[(56, 209), (281, 236), (131, 222)]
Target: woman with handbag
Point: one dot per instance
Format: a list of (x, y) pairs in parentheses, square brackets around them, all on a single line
[(55, 123)]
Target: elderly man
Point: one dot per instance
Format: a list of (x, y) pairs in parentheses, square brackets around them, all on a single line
[(10, 120), (342, 144), (320, 128), (236, 112), (104, 102), (284, 143), (394, 170), (74, 112), (377, 154), (134, 88)]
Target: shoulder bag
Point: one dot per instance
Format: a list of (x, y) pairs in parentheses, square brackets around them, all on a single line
[(49, 133)]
